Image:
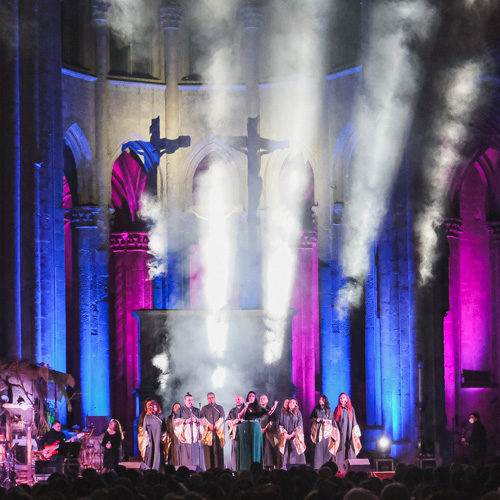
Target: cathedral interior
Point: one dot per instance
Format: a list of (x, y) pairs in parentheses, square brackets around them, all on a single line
[(290, 196)]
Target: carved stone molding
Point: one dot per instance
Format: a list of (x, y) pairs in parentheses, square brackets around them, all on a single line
[(251, 16), (171, 16), (121, 242), (308, 239), (88, 216), (100, 11), (453, 227), (337, 212)]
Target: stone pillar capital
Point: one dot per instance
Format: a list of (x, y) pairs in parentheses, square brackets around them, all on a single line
[(308, 239), (453, 227), (87, 216), (170, 16), (100, 11), (251, 16), (337, 213), (120, 242)]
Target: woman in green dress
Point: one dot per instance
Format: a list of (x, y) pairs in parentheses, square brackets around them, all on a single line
[(249, 433)]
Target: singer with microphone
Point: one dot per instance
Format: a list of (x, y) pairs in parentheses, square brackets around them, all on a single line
[(188, 430), (214, 439), (249, 433)]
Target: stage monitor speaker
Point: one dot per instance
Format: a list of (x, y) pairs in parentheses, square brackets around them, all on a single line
[(72, 467), (427, 463), (292, 466), (359, 464), (44, 467), (194, 468), (100, 424), (41, 477), (384, 464), (131, 465)]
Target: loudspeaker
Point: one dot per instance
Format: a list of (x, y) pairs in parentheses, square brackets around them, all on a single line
[(41, 477), (20, 453), (362, 464), (427, 463), (384, 464), (194, 468), (72, 466), (291, 466), (44, 467), (131, 465)]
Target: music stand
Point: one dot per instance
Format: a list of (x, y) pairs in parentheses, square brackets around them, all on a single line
[(70, 449)]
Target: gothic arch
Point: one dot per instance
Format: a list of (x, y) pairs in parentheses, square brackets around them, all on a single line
[(133, 136), (76, 140), (235, 163), (272, 172)]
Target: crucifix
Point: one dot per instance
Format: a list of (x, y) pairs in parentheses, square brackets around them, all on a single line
[(254, 147), (152, 151)]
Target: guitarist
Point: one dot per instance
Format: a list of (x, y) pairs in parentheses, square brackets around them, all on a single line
[(51, 440)]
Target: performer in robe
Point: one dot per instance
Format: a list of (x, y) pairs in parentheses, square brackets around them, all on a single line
[(112, 442), (154, 432), (172, 443), (188, 430), (140, 424), (212, 418), (349, 440), (232, 422), (291, 435), (269, 435), (324, 433), (249, 433)]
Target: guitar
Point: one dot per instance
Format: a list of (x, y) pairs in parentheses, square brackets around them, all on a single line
[(52, 449)]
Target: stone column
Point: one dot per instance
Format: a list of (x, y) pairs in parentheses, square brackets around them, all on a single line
[(251, 20), (90, 284), (452, 327), (335, 326), (251, 249), (305, 323), (372, 357), (10, 306), (494, 228), (398, 344), (49, 173), (32, 256), (132, 290), (101, 190), (171, 20), (169, 189)]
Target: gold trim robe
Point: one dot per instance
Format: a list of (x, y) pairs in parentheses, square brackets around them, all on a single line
[(207, 437)]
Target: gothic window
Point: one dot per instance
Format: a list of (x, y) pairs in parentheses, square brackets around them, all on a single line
[(77, 35), (135, 45)]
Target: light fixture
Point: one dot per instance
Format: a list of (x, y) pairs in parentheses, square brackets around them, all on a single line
[(384, 446)]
